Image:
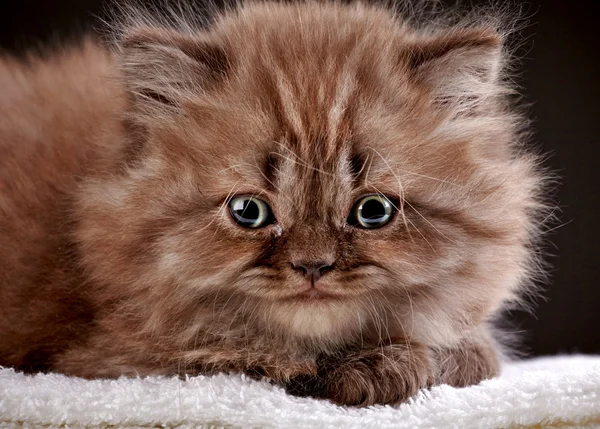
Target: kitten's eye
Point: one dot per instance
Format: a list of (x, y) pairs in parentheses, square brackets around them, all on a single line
[(372, 211), (250, 212)]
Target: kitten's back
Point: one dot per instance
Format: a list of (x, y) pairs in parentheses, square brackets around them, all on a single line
[(58, 112)]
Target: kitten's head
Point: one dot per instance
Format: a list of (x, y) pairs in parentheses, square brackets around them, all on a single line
[(320, 170)]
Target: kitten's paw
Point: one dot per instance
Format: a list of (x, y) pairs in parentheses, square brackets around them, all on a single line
[(283, 372), (468, 364), (385, 375)]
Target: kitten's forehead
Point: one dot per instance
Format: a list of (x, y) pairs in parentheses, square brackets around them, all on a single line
[(311, 188), (312, 153), (314, 109), (315, 115), (332, 99), (311, 71), (315, 157)]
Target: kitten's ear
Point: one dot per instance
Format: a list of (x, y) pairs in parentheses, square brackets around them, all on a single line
[(460, 67), (163, 68)]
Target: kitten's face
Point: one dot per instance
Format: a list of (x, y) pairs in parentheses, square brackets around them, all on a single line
[(305, 123)]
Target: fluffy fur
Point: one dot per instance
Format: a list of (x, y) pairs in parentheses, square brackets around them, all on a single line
[(118, 254)]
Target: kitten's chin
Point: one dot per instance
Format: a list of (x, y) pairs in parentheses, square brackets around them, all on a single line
[(325, 319), (312, 296)]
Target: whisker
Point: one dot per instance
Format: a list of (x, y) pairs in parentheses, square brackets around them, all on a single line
[(222, 208), (400, 187), (431, 178), (405, 201), (399, 321), (300, 161), (363, 167), (280, 194), (430, 224), (303, 164)]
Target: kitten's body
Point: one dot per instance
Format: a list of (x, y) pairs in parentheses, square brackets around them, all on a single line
[(117, 255), (57, 121)]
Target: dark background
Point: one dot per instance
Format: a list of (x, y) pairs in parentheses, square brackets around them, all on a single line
[(560, 77)]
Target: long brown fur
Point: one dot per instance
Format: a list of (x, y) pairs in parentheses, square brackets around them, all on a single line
[(118, 255)]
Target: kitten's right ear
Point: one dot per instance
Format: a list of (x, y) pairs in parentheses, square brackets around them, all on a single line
[(163, 68), (461, 67)]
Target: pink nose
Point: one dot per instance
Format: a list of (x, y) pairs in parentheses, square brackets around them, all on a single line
[(312, 270)]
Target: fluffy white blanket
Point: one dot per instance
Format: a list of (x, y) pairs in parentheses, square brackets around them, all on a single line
[(559, 392)]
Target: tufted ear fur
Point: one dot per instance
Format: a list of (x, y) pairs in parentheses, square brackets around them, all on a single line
[(163, 68), (460, 67)]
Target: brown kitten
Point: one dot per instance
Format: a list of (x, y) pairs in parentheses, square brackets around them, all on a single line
[(123, 172)]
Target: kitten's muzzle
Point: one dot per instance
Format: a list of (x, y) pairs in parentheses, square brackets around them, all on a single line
[(312, 270)]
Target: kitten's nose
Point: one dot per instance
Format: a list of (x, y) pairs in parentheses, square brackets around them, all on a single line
[(312, 270)]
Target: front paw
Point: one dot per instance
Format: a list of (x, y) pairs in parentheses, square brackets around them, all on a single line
[(385, 375), (468, 364)]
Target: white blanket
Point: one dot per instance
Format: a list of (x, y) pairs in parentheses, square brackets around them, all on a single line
[(559, 392)]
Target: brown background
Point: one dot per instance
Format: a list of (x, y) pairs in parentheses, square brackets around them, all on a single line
[(561, 76)]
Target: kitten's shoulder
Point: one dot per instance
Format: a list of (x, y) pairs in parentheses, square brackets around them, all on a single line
[(57, 105), (60, 111), (54, 74)]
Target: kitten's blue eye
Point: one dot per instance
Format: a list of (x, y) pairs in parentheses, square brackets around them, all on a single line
[(250, 212), (372, 211)]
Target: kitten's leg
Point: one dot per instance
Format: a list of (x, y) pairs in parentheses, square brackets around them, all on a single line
[(475, 359), (387, 374), (256, 360), (93, 361), (279, 369)]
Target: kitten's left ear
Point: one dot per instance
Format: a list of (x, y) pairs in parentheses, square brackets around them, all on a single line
[(163, 67), (460, 67)]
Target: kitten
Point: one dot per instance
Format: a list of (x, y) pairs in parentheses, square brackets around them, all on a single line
[(317, 193)]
